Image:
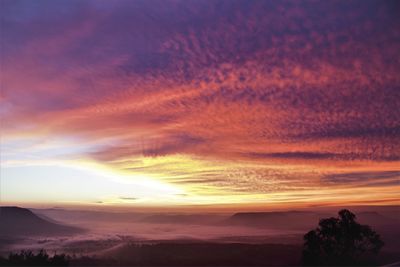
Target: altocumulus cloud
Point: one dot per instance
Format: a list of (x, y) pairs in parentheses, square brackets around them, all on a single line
[(252, 82)]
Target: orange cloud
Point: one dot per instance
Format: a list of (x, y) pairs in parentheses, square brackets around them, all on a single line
[(238, 86)]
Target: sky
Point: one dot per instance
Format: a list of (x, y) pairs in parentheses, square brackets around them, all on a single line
[(262, 104)]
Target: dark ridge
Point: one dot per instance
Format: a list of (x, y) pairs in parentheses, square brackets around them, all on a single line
[(182, 219), (287, 219), (16, 221)]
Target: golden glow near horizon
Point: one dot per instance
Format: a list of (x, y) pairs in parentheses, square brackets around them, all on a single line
[(181, 180), (199, 104)]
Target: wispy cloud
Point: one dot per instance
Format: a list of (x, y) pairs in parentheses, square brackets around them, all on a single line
[(356, 177)]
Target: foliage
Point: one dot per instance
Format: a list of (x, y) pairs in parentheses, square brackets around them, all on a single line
[(28, 258), (341, 242)]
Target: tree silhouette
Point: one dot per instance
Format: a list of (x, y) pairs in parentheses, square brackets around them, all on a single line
[(341, 242), (29, 258)]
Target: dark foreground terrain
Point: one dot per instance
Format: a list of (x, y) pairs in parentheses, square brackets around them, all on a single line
[(170, 254), (199, 254), (92, 238), (179, 254)]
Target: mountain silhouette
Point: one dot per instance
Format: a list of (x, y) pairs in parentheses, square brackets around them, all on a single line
[(299, 219), (15, 221), (287, 219), (373, 217), (193, 219)]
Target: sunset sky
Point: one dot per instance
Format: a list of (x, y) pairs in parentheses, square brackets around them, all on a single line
[(211, 103)]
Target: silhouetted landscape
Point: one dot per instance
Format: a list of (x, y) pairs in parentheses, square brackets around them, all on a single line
[(17, 221), (177, 239)]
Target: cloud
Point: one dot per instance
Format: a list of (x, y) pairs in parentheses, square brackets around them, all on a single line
[(243, 84), (129, 198), (373, 179), (361, 176), (296, 155)]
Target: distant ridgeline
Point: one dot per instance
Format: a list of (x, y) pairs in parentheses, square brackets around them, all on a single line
[(15, 221)]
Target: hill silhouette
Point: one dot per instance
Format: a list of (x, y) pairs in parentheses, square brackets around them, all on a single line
[(182, 218), (15, 221), (286, 219), (300, 220)]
